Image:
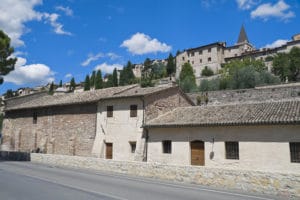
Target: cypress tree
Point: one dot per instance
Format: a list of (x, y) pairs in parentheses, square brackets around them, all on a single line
[(92, 79), (115, 78), (87, 84), (72, 84), (98, 80)]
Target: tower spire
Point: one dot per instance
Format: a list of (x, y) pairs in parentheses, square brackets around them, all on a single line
[(242, 36)]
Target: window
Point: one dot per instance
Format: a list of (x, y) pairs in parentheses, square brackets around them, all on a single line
[(109, 111), (200, 52), (209, 59), (192, 62), (193, 53), (133, 110), (167, 146), (132, 146), (34, 117), (182, 58), (295, 152), (200, 60), (209, 50), (232, 150), (188, 61)]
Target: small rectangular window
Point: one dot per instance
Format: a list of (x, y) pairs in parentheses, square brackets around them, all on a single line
[(167, 146), (200, 60), (133, 110), (209, 50), (182, 58), (109, 111), (295, 152), (192, 62), (200, 52), (232, 150), (34, 117), (132, 146), (193, 54), (209, 59)]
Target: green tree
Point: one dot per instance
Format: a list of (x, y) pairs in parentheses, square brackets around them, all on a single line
[(9, 94), (72, 84), (187, 79), (7, 63), (115, 78), (60, 83), (171, 67), (109, 82), (51, 89), (87, 83), (92, 79), (126, 76), (207, 71), (98, 80)]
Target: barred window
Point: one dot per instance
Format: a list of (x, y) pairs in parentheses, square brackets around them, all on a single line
[(133, 110), (167, 146), (232, 150), (295, 152), (109, 111)]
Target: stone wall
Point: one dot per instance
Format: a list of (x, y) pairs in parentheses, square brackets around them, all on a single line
[(68, 130), (284, 185), (164, 101), (270, 93)]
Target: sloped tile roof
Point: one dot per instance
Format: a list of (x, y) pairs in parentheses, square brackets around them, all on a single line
[(80, 98), (284, 112)]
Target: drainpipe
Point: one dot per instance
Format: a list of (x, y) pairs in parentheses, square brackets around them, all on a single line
[(145, 133)]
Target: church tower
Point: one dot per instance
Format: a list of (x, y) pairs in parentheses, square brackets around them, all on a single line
[(243, 38)]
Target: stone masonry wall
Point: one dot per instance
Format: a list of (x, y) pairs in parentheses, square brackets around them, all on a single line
[(68, 130), (164, 101), (286, 186), (275, 93)]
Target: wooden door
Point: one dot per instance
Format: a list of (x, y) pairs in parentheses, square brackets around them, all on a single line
[(197, 153), (109, 151)]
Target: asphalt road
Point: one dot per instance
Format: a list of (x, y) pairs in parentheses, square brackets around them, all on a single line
[(25, 180)]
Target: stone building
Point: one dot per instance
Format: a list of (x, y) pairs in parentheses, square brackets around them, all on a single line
[(215, 54), (104, 123), (252, 136)]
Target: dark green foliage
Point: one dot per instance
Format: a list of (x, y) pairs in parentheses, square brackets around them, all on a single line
[(60, 83), (51, 89), (171, 67), (72, 84), (126, 76), (7, 63), (92, 79), (9, 94), (87, 83), (115, 78), (269, 58), (287, 65), (109, 82), (207, 72), (187, 80), (1, 121), (158, 70), (99, 80)]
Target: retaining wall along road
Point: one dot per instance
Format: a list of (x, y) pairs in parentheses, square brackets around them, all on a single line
[(286, 185)]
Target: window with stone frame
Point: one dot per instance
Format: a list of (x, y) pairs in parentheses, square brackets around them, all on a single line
[(295, 152), (132, 146), (133, 110), (209, 59), (109, 111), (34, 118), (232, 150), (167, 146)]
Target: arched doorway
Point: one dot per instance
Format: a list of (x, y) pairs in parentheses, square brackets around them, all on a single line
[(197, 153)]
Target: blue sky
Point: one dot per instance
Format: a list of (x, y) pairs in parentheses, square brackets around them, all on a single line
[(56, 40)]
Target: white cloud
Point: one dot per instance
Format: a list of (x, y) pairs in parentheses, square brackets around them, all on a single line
[(68, 75), (108, 68), (91, 57), (246, 4), (58, 27), (29, 74), (279, 10), (68, 11), (140, 43), (15, 13), (276, 43)]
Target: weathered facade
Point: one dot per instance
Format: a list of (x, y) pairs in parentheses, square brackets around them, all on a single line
[(258, 136), (78, 123)]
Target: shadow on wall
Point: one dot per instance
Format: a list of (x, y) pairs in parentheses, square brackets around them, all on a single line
[(14, 156)]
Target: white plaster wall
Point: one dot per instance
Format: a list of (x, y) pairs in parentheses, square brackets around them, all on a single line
[(119, 129), (264, 148)]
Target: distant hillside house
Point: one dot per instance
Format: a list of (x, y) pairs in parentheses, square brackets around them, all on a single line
[(104, 123), (215, 54)]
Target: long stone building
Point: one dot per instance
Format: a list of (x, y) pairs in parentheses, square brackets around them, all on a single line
[(104, 123), (215, 54)]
